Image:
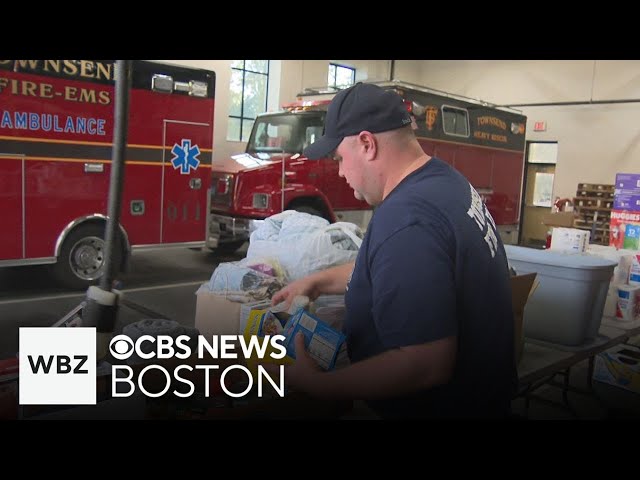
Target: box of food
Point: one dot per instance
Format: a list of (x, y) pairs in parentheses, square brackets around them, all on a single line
[(321, 341), (260, 323)]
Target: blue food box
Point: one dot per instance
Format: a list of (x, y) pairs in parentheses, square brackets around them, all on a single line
[(321, 341)]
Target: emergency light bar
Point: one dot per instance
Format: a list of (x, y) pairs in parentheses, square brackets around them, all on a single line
[(165, 84)]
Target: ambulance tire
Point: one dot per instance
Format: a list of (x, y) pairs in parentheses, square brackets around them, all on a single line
[(229, 247), (81, 261)]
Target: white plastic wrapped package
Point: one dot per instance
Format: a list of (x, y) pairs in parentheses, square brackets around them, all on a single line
[(289, 224), (305, 243), (247, 280)]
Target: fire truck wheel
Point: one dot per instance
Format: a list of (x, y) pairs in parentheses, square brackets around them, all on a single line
[(229, 247), (308, 209), (81, 261)]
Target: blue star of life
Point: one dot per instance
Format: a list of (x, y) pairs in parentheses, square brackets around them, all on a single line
[(185, 157)]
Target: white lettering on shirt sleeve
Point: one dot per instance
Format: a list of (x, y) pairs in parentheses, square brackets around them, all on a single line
[(475, 210), (492, 241), (480, 213)]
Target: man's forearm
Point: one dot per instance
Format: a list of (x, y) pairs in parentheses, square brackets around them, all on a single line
[(333, 280), (394, 372)]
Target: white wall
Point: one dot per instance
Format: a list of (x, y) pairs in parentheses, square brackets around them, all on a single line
[(595, 141)]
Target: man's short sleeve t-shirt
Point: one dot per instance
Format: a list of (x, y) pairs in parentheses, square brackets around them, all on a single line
[(432, 265)]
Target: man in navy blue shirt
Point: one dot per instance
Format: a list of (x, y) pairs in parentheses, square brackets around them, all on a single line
[(429, 319)]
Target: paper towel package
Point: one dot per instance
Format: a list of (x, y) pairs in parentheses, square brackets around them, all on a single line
[(569, 239)]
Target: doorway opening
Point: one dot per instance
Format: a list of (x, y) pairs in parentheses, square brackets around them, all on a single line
[(537, 193)]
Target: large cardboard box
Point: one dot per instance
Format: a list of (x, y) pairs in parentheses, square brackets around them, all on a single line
[(522, 286), (216, 315), (559, 219)]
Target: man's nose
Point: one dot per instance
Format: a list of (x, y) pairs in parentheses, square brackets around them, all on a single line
[(340, 172)]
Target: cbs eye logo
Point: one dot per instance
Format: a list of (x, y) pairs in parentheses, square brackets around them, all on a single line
[(121, 347)]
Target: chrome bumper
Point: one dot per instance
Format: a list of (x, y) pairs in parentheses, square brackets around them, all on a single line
[(223, 229)]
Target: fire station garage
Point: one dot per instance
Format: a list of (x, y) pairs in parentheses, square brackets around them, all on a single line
[(319, 239)]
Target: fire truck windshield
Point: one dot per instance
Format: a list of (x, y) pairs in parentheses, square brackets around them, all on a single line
[(285, 132)]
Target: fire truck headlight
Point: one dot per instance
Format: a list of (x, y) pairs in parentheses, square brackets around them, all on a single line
[(260, 200)]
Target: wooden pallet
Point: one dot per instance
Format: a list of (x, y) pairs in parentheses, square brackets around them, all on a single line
[(592, 205), (595, 190), (593, 202)]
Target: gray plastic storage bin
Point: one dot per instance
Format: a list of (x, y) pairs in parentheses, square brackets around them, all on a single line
[(567, 305)]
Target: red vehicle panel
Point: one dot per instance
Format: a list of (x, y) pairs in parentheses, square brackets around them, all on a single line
[(56, 132), (11, 174)]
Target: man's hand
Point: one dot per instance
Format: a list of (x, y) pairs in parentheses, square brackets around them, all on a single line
[(304, 286), (330, 281), (304, 373)]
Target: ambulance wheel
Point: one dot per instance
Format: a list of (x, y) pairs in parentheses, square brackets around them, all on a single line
[(81, 262), (228, 247)]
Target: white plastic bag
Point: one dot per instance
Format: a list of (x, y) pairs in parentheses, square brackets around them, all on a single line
[(302, 255)]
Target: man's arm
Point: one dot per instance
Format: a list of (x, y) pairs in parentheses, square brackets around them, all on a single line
[(413, 297), (395, 372), (330, 281)]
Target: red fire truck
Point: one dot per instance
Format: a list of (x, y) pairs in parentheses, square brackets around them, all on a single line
[(56, 133), (484, 142)]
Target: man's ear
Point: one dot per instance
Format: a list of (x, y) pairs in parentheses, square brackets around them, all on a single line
[(368, 143)]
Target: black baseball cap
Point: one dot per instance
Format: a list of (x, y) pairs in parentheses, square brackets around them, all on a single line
[(363, 106)]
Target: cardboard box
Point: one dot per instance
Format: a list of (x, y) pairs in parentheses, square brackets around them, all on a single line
[(559, 219), (619, 366), (217, 315), (522, 286)]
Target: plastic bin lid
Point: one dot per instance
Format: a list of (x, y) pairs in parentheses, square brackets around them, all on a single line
[(557, 259)]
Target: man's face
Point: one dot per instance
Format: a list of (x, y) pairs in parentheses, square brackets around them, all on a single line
[(351, 167)]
